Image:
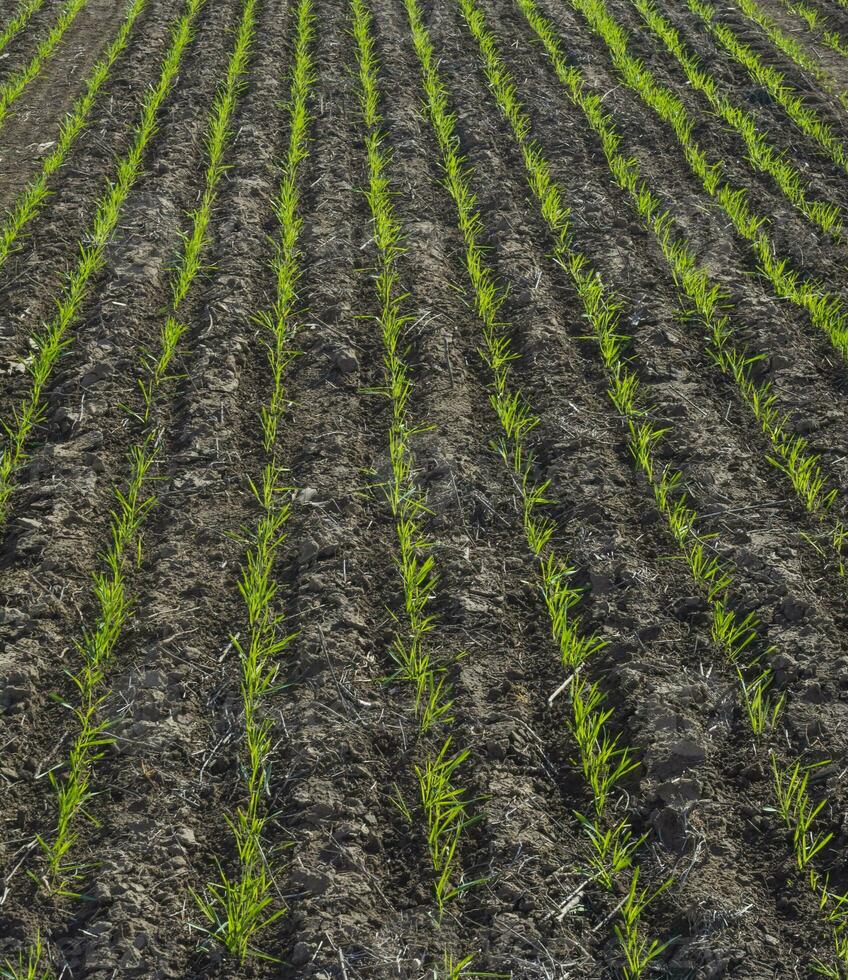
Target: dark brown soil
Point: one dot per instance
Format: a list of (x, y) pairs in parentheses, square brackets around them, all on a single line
[(354, 874)]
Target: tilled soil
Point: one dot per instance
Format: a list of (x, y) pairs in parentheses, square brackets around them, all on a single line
[(352, 872)]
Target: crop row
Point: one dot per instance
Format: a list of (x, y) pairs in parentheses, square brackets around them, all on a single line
[(12, 89), (762, 154), (825, 309), (239, 906), (738, 637), (792, 454), (444, 800), (804, 116), (54, 337), (19, 21), (817, 23)]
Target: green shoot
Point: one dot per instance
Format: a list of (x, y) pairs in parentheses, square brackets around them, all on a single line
[(12, 89), (28, 965), (238, 906), (73, 786), (19, 21), (639, 953)]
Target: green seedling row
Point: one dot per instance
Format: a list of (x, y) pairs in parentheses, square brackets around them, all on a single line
[(12, 89), (789, 453), (32, 198), (443, 798), (111, 592), (793, 49), (53, 339), (19, 21), (825, 309), (762, 154), (237, 907), (603, 761), (804, 116), (737, 636)]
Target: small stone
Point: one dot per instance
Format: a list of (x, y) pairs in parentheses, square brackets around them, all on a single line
[(345, 360), (300, 954), (101, 892), (185, 835), (94, 462), (688, 751)]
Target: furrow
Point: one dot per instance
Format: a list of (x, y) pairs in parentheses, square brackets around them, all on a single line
[(12, 89), (18, 21), (55, 336), (736, 635)]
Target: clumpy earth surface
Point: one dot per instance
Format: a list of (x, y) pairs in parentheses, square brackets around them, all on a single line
[(346, 838)]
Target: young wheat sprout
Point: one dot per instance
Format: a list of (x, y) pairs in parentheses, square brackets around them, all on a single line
[(240, 905), (732, 633), (443, 798), (98, 648), (603, 762)]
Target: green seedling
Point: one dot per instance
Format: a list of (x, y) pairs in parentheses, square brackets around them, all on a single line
[(639, 952), (798, 811), (613, 849), (54, 338), (74, 784), (28, 965), (19, 21), (12, 89), (446, 808), (762, 707)]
